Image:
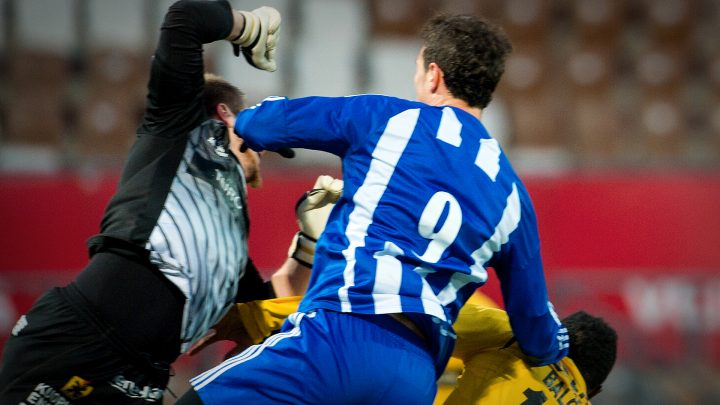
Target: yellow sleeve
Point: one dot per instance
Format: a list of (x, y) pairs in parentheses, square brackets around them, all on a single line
[(479, 329), (262, 318), (483, 300)]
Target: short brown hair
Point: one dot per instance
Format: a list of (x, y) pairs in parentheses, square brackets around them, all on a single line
[(471, 53), (218, 90)]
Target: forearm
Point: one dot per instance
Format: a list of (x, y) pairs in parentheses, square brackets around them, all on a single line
[(534, 323), (174, 106), (252, 286), (291, 279), (542, 339), (537, 330), (177, 68), (309, 123)]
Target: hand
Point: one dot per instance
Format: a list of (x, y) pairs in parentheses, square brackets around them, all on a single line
[(313, 208), (259, 38), (312, 211)]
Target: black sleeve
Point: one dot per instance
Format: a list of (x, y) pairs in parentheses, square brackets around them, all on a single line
[(173, 109), (252, 286), (176, 73)]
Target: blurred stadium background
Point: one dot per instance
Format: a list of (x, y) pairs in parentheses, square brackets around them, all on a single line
[(609, 109)]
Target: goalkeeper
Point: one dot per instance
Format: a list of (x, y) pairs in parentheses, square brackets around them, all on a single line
[(495, 370), (172, 256)]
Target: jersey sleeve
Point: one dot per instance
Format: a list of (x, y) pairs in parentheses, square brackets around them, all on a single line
[(176, 82), (310, 122), (262, 318), (329, 124), (252, 286), (538, 330)]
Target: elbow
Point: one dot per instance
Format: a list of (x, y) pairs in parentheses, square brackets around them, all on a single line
[(184, 15), (181, 8)]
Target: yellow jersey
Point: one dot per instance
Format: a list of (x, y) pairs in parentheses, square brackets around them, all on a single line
[(495, 372)]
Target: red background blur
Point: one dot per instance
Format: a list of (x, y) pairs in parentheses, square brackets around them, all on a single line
[(642, 249)]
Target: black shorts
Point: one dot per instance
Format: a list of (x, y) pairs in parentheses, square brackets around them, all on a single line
[(58, 355)]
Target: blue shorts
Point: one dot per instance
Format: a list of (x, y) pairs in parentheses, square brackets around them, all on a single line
[(327, 357)]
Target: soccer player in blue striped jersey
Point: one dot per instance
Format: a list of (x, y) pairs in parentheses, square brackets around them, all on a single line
[(430, 201)]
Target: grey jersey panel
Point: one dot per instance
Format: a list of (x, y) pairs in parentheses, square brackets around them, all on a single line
[(200, 239)]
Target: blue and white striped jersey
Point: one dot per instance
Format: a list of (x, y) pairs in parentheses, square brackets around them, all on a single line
[(430, 201)]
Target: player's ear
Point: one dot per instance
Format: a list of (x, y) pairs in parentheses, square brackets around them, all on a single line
[(433, 76), (223, 111), (225, 114)]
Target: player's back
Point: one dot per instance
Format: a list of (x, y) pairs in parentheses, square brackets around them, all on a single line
[(429, 199)]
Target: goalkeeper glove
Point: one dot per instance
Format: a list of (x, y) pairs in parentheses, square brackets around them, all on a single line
[(259, 38), (312, 211)]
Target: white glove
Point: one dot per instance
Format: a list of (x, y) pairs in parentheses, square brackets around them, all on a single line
[(312, 211), (259, 37)]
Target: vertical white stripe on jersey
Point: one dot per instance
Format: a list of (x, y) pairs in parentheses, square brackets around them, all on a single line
[(430, 301), (450, 126), (386, 291), (508, 223), (387, 152), (488, 157)]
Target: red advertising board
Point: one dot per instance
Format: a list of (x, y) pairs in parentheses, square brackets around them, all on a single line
[(642, 250)]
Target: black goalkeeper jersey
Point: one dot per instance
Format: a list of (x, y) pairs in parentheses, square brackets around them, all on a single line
[(181, 199)]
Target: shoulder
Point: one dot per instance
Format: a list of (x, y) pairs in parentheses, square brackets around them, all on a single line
[(385, 102), (479, 329)]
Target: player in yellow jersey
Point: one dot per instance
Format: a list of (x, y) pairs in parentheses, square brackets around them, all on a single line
[(496, 373)]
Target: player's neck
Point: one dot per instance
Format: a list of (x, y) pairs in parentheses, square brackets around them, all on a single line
[(456, 102)]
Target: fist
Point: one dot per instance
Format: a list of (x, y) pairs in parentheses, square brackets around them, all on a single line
[(259, 38), (313, 208), (312, 211)]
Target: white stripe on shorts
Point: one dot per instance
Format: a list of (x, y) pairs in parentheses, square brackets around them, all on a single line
[(248, 354)]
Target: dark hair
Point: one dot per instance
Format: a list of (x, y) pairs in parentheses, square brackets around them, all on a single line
[(470, 51), (593, 347), (218, 90)]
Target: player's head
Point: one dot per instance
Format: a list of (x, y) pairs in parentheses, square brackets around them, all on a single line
[(219, 93), (593, 347), (470, 53), (223, 101)]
